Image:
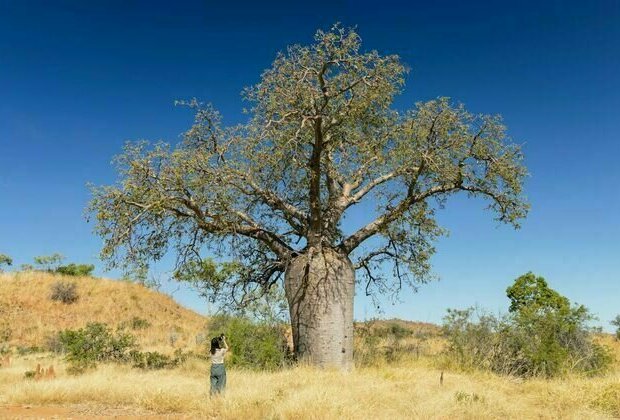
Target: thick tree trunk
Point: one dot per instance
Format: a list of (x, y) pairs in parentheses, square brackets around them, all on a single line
[(320, 286)]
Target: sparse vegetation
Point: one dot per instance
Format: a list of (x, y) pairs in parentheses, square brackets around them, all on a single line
[(52, 264), (152, 360), (543, 335), (408, 389), (76, 270), (255, 345), (48, 263), (398, 366), (65, 292), (25, 296)]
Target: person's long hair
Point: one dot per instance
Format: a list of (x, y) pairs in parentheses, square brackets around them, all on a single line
[(215, 344)]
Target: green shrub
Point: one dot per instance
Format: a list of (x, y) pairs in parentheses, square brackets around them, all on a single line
[(136, 323), (256, 345), (65, 292), (154, 360), (95, 343), (77, 270)]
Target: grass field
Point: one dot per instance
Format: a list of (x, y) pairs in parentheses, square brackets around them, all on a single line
[(408, 387), (406, 390)]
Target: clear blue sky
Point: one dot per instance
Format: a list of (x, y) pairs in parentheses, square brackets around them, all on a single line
[(79, 78)]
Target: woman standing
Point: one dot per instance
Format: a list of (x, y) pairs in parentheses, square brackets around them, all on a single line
[(219, 347)]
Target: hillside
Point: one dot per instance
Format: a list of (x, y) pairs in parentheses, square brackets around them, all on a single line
[(28, 316)]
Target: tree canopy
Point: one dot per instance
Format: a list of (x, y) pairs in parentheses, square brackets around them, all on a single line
[(321, 138)]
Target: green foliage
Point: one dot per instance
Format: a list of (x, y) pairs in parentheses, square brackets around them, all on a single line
[(95, 343), (255, 345), (77, 270), (51, 264), (532, 294), (321, 112), (5, 260), (616, 323), (48, 262), (65, 292), (543, 335)]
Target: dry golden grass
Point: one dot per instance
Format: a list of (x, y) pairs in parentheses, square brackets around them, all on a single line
[(30, 315), (406, 390)]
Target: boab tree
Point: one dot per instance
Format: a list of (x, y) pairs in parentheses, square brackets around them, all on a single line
[(268, 197)]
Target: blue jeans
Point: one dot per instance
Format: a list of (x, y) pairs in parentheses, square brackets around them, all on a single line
[(218, 378)]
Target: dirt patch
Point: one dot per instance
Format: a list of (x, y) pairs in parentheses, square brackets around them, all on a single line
[(79, 412), (30, 412)]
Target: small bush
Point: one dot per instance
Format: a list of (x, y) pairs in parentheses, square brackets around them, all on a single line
[(24, 350), (154, 360), (77, 270), (65, 292), (95, 343), (467, 398), (136, 323), (30, 374)]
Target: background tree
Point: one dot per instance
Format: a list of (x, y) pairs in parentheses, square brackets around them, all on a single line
[(532, 293), (268, 197), (616, 323), (5, 260), (48, 263)]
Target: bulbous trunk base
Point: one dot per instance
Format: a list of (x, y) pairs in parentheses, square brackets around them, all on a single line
[(320, 287)]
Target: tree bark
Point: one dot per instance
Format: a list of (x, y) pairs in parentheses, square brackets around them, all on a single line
[(320, 287)]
